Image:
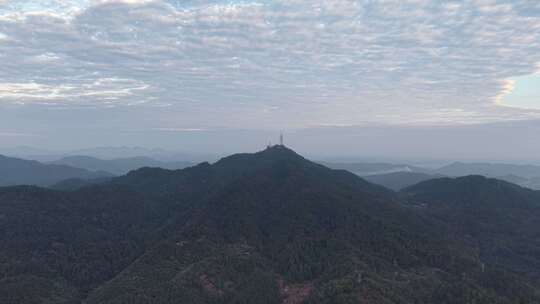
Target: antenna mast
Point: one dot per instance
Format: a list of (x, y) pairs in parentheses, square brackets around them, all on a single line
[(281, 138)]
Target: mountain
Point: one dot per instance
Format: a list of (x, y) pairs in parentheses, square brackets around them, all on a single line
[(268, 227), (130, 152), (399, 180), (26, 152), (365, 169), (72, 184), (489, 169), (397, 176), (118, 166), (106, 153), (514, 179), (531, 183), (500, 218), (14, 171), (57, 246)]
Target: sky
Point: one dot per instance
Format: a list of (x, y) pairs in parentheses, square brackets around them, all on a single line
[(525, 92), (200, 75)]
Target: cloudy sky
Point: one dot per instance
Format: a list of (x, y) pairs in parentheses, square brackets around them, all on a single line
[(83, 73)]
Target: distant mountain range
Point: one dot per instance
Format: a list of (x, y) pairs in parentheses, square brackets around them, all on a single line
[(523, 175), (14, 171), (365, 169), (107, 153), (118, 166), (73, 171), (490, 170), (392, 176), (399, 180), (398, 176), (269, 227)]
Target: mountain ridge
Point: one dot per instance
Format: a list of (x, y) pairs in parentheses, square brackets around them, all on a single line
[(268, 227), (118, 166), (14, 171)]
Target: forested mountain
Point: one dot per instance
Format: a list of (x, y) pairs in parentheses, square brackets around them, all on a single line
[(501, 219), (71, 184), (118, 166), (14, 171), (269, 227)]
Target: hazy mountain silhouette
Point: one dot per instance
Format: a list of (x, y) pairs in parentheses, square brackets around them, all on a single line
[(106, 153), (366, 169), (489, 169), (118, 166), (129, 152), (268, 227), (399, 180), (397, 176), (14, 171), (531, 183)]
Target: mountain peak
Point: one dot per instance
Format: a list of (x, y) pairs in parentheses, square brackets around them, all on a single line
[(270, 154), (279, 151)]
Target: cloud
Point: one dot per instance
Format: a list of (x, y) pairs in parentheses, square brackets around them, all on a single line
[(258, 63), (100, 92)]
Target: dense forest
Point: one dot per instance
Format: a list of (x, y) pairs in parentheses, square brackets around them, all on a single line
[(269, 227)]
